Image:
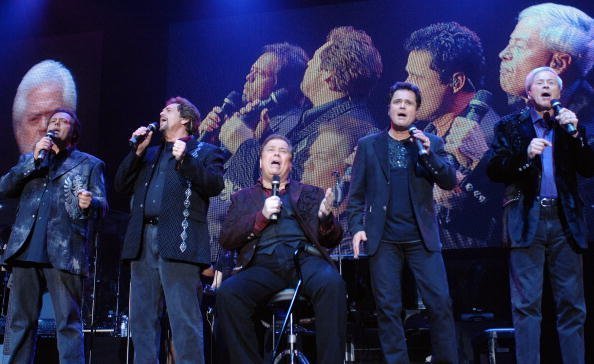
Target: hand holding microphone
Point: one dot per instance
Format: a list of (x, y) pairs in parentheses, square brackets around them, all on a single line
[(142, 136), (423, 143), (219, 114), (565, 117), (44, 145), (273, 204)]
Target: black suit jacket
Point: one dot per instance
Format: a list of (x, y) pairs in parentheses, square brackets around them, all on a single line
[(238, 228), (186, 192), (509, 164), (370, 189)]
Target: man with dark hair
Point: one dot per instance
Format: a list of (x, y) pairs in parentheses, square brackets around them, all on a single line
[(446, 61), (266, 264), (167, 238), (391, 207), (62, 195), (538, 160)]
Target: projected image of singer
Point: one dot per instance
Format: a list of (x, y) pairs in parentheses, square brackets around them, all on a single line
[(167, 239), (447, 62), (266, 264), (45, 87), (538, 160), (61, 195), (391, 207), (273, 84)]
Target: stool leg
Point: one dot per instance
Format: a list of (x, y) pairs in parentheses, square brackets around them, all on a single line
[(493, 348), (273, 328), (291, 338)]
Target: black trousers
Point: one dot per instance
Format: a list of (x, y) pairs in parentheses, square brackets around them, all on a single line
[(240, 295), (156, 282), (24, 306)]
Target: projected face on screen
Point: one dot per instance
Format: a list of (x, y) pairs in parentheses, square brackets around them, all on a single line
[(314, 79), (46, 86), (261, 80), (524, 52), (40, 104), (433, 90)]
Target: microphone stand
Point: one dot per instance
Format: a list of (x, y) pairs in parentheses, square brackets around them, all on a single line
[(290, 309)]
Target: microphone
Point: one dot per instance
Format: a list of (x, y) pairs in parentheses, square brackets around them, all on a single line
[(422, 151), (137, 139), (276, 99), (569, 127), (338, 189), (275, 189), (43, 153), (479, 105), (231, 104)]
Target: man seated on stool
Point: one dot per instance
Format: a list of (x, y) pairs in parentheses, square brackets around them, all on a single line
[(265, 263)]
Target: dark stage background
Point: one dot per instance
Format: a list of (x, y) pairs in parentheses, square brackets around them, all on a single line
[(127, 58)]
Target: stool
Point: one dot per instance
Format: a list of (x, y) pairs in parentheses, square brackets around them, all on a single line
[(278, 304)]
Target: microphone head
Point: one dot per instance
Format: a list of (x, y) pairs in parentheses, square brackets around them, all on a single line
[(482, 99), (275, 179), (232, 102), (411, 129), (153, 126), (51, 134), (556, 105), (278, 97)]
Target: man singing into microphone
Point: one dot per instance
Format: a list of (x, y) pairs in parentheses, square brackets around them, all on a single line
[(167, 238), (538, 160), (391, 207), (62, 195), (304, 219)]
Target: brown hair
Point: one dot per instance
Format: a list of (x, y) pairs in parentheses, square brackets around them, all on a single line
[(353, 59), (187, 111)]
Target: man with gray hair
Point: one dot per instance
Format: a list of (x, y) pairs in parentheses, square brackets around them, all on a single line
[(560, 37), (46, 86), (538, 154)]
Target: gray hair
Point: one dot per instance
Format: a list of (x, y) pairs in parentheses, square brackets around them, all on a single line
[(568, 30), (530, 77), (44, 72)]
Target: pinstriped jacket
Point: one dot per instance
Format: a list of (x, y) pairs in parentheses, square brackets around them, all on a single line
[(182, 228)]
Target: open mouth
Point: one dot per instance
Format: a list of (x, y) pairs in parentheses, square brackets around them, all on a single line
[(401, 115), (275, 163)]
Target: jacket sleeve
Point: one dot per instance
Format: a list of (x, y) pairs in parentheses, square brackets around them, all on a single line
[(505, 164), (584, 154), (441, 170), (127, 173), (356, 202), (98, 208), (205, 172), (13, 182), (238, 228), (330, 231)]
